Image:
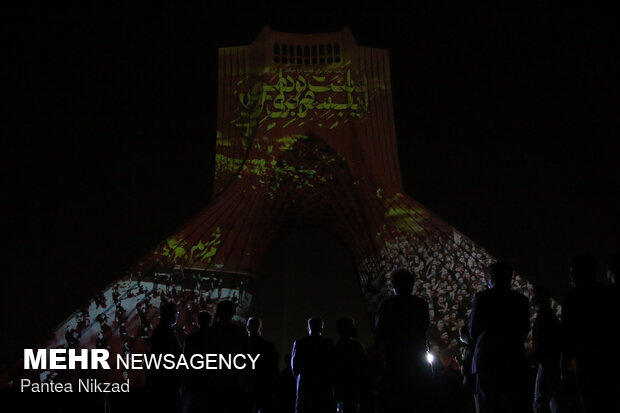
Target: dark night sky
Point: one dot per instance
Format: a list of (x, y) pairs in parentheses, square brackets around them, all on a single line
[(507, 123)]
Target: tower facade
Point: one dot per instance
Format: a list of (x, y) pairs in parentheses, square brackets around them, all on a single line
[(305, 133)]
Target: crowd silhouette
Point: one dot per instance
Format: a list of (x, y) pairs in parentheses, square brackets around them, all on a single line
[(492, 373), (567, 369)]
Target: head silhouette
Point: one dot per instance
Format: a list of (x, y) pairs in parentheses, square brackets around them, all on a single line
[(346, 328), (204, 319), (464, 334), (583, 270), (403, 281), (315, 326), (500, 274), (254, 326), (168, 313), (541, 297), (225, 311)]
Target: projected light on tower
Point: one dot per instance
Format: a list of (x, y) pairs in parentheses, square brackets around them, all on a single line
[(305, 131)]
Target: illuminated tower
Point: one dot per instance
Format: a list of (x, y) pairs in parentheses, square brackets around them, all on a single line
[(305, 132)]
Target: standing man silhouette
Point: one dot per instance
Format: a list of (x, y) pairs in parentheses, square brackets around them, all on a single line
[(499, 323), (164, 384), (547, 350), (588, 310), (227, 391), (264, 378), (353, 372), (401, 324), (197, 380), (313, 364)]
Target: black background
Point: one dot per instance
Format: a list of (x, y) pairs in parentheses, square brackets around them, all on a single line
[(507, 121)]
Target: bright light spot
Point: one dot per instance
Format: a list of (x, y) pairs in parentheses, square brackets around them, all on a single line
[(429, 358)]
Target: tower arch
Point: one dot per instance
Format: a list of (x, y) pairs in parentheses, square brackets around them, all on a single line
[(305, 131)]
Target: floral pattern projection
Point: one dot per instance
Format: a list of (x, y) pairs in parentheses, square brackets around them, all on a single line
[(450, 268), (294, 142)]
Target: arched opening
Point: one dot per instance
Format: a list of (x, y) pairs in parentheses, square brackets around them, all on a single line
[(307, 271)]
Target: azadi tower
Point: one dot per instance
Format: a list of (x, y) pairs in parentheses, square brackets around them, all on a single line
[(305, 131)]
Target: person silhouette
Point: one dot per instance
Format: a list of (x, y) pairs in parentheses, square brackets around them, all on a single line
[(227, 390), (499, 324), (401, 324), (352, 375), (197, 380), (587, 311), (286, 388), (164, 384), (465, 361), (196, 342), (547, 350), (263, 381), (312, 362)]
